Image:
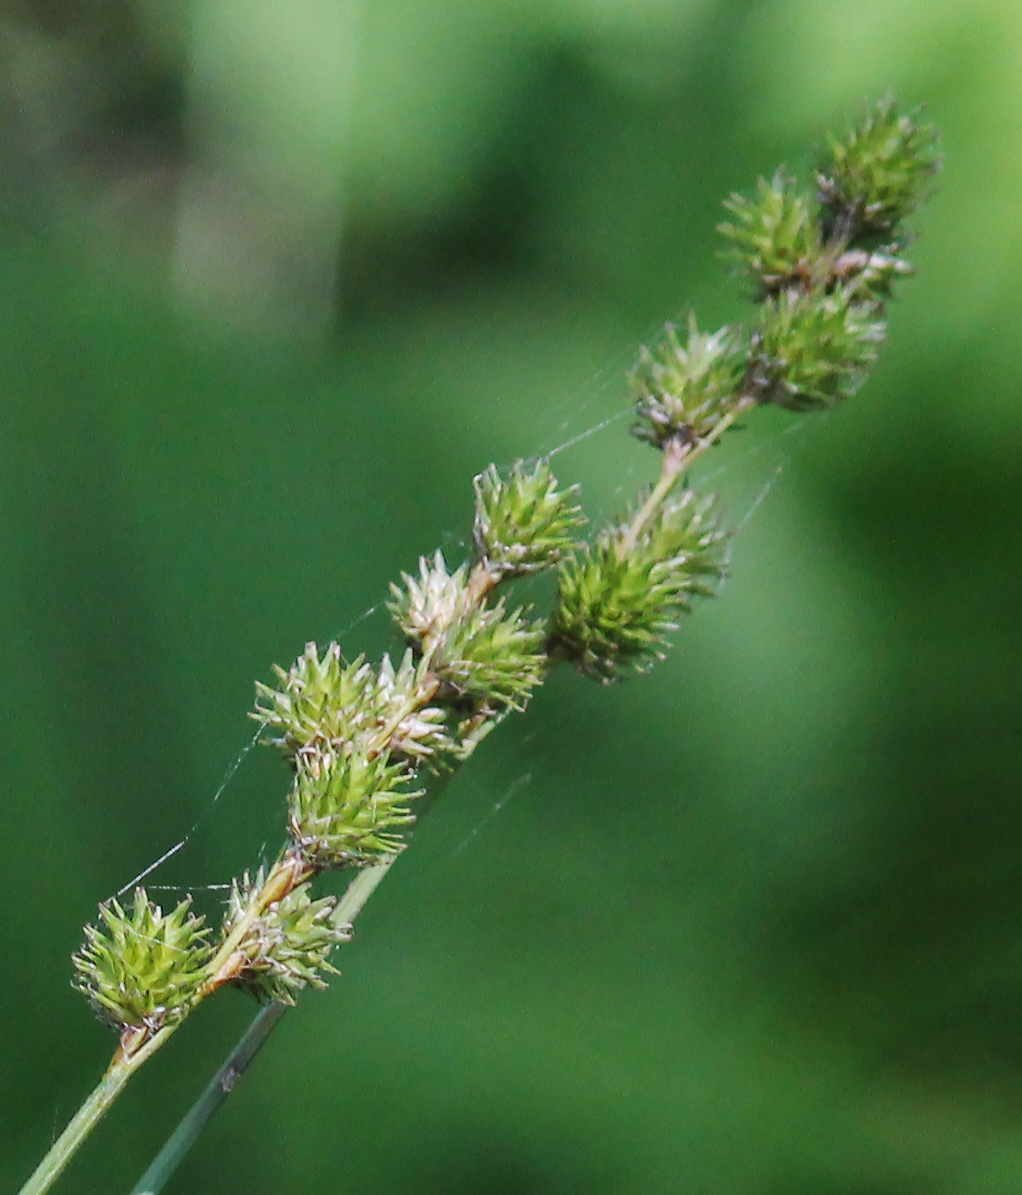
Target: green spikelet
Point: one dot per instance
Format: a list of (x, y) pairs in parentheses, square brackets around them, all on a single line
[(320, 703), (682, 391), (877, 175), (477, 652), (288, 946), (776, 234), (811, 351), (615, 607), (142, 969), (523, 524), (346, 811)]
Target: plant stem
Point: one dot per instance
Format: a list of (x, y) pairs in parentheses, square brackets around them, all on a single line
[(222, 1084), (678, 456), (91, 1113), (220, 1087), (360, 889)]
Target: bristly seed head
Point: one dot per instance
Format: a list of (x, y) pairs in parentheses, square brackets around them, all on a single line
[(776, 235), (324, 708), (682, 391), (287, 947), (346, 813), (614, 609), (811, 351), (524, 524), (142, 970), (877, 175), (477, 652)]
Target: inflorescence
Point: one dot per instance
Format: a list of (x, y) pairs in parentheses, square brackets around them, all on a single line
[(362, 741)]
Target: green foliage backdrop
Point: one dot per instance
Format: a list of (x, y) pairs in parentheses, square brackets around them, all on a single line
[(752, 924)]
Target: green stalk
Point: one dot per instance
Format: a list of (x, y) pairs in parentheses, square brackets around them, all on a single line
[(678, 456), (251, 1042), (91, 1113), (220, 1087)]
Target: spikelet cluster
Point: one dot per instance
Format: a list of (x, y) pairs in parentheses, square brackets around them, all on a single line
[(141, 970), (617, 602), (287, 947), (523, 523), (362, 740)]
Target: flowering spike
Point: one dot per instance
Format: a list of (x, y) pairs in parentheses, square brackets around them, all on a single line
[(616, 603), (493, 657), (325, 707), (524, 524), (287, 947), (683, 391), (356, 736), (417, 732), (142, 970)]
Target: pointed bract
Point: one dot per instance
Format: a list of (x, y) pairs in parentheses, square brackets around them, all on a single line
[(425, 606)]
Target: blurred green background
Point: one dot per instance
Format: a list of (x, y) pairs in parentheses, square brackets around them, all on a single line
[(275, 282)]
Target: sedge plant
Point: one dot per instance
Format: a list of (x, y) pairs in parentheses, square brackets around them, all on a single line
[(366, 742)]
